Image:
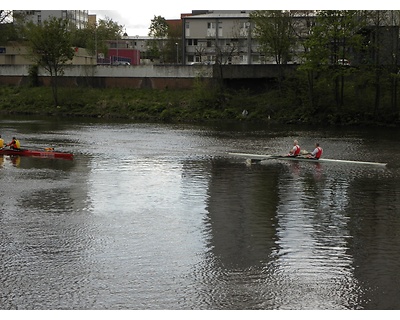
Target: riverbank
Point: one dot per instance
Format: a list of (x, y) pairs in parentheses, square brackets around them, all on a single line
[(199, 104)]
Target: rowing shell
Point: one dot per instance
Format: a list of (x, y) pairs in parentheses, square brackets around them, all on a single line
[(260, 157)]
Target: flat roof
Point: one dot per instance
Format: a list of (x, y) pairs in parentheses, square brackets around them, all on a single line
[(219, 15)]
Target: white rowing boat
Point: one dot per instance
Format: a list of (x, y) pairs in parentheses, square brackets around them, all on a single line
[(261, 157)]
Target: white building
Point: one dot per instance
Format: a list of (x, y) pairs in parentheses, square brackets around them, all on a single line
[(226, 36), (78, 17), (218, 34)]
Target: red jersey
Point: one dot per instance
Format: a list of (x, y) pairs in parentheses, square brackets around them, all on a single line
[(296, 150), (317, 153)]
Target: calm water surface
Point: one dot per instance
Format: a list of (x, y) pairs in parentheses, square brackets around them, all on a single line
[(153, 216)]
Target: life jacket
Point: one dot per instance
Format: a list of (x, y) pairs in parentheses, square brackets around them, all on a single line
[(15, 144), (1, 143), (319, 153), (297, 151)]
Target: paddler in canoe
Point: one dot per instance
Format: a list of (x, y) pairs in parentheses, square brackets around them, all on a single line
[(14, 144)]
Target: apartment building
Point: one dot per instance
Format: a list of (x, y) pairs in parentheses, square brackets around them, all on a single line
[(78, 17), (218, 34), (226, 36)]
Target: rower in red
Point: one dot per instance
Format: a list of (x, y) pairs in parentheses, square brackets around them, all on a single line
[(317, 153), (14, 144), (295, 150)]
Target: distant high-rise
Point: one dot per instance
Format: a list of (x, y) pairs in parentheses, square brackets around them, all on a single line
[(78, 17)]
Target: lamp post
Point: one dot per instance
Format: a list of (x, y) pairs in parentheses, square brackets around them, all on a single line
[(95, 43), (177, 57), (248, 25), (137, 50), (116, 41)]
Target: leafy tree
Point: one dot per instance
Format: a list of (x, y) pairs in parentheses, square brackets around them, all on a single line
[(174, 43), (94, 37), (394, 75), (159, 30), (12, 25), (334, 36), (274, 32), (50, 46), (5, 25), (383, 49), (158, 27)]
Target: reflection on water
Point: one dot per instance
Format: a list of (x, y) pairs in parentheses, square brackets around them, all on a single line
[(159, 217)]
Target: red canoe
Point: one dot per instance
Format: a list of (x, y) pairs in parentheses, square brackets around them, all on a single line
[(37, 153)]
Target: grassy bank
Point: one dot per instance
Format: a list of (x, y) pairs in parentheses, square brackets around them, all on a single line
[(199, 104), (196, 105)]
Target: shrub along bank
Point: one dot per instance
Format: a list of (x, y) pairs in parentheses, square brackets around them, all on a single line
[(196, 105), (136, 104)]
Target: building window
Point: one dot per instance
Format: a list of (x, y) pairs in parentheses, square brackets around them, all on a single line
[(211, 29), (187, 29), (192, 42)]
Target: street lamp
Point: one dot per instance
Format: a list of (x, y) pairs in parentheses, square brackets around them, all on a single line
[(116, 41), (137, 50), (177, 58), (248, 26)]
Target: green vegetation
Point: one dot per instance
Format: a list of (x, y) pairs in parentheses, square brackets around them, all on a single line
[(51, 43), (136, 104), (167, 43), (50, 47), (203, 103)]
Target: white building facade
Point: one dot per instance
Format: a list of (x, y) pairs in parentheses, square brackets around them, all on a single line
[(227, 36), (219, 35), (77, 17)]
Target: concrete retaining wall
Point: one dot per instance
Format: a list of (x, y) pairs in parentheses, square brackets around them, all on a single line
[(152, 76), (151, 71)]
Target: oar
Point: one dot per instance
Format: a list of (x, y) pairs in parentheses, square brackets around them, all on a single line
[(302, 153)]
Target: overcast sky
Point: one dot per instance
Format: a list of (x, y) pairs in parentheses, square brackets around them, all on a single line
[(136, 16)]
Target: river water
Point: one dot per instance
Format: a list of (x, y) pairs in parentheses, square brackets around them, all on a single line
[(161, 217)]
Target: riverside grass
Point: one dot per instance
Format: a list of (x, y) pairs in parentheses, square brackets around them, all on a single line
[(199, 104), (136, 104)]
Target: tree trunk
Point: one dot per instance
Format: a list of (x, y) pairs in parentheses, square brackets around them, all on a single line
[(310, 77), (54, 86), (377, 94)]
